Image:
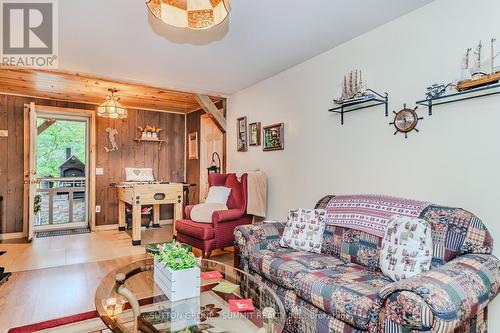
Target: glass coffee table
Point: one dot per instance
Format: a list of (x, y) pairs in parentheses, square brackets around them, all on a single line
[(128, 300)]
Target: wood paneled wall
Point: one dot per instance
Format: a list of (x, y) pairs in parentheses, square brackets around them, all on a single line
[(167, 163), (193, 166), (11, 163)]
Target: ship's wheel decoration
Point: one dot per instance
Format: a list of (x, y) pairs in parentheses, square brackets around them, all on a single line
[(406, 120)]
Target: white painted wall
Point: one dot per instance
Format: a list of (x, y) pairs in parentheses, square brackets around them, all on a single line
[(454, 160)]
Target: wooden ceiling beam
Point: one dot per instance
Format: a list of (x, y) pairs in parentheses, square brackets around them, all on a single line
[(83, 88), (212, 111)]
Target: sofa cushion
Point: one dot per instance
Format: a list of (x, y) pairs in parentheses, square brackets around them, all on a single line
[(454, 231), (406, 248), (304, 230), (305, 317), (281, 265), (347, 292), (352, 246), (196, 230)]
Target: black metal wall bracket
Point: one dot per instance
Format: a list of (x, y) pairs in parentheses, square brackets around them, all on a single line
[(489, 90), (377, 99)]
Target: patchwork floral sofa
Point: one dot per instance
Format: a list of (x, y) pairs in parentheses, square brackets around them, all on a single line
[(342, 290)]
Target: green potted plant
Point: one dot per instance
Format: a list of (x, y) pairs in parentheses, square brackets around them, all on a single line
[(176, 271)]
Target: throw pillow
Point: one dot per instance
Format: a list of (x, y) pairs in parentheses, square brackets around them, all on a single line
[(304, 230), (218, 194), (406, 247), (203, 212)]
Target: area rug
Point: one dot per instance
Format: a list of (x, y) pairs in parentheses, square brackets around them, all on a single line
[(215, 316), (82, 322), (85, 322), (42, 234)]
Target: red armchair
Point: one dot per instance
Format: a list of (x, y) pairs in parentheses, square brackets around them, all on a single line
[(218, 234)]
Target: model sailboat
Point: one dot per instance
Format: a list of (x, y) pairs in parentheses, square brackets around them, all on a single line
[(353, 89), (480, 72)]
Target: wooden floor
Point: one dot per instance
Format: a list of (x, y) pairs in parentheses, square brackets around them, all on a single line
[(44, 288), (76, 249)]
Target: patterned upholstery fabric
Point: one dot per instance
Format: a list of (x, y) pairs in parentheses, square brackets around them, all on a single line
[(477, 324), (405, 309), (323, 202), (255, 237), (305, 317), (406, 247), (454, 292), (304, 230), (352, 246), (454, 232), (369, 213), (354, 297), (348, 292), (396, 324), (281, 265)]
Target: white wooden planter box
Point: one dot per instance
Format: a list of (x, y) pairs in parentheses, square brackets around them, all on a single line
[(177, 285), (185, 313)]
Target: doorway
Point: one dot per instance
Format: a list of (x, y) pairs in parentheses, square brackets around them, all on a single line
[(59, 170), (211, 140)]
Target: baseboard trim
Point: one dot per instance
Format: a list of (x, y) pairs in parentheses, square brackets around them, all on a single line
[(12, 235), (106, 227), (115, 226)]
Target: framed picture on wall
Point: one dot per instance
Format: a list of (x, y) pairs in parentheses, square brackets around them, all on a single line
[(254, 131), (274, 137), (242, 134), (193, 145)]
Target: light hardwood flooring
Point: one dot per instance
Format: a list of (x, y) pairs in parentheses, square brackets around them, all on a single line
[(56, 277), (76, 249)]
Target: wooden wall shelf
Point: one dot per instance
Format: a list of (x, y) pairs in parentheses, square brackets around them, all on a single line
[(159, 141), (377, 99), (489, 90)]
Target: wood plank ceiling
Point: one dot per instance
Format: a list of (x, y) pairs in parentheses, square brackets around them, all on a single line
[(75, 87)]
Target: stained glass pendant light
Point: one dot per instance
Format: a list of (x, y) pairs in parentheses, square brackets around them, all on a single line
[(192, 14), (111, 108)]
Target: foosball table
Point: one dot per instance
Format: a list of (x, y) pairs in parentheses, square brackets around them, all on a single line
[(147, 192)]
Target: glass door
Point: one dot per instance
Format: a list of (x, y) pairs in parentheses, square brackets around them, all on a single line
[(61, 195)]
